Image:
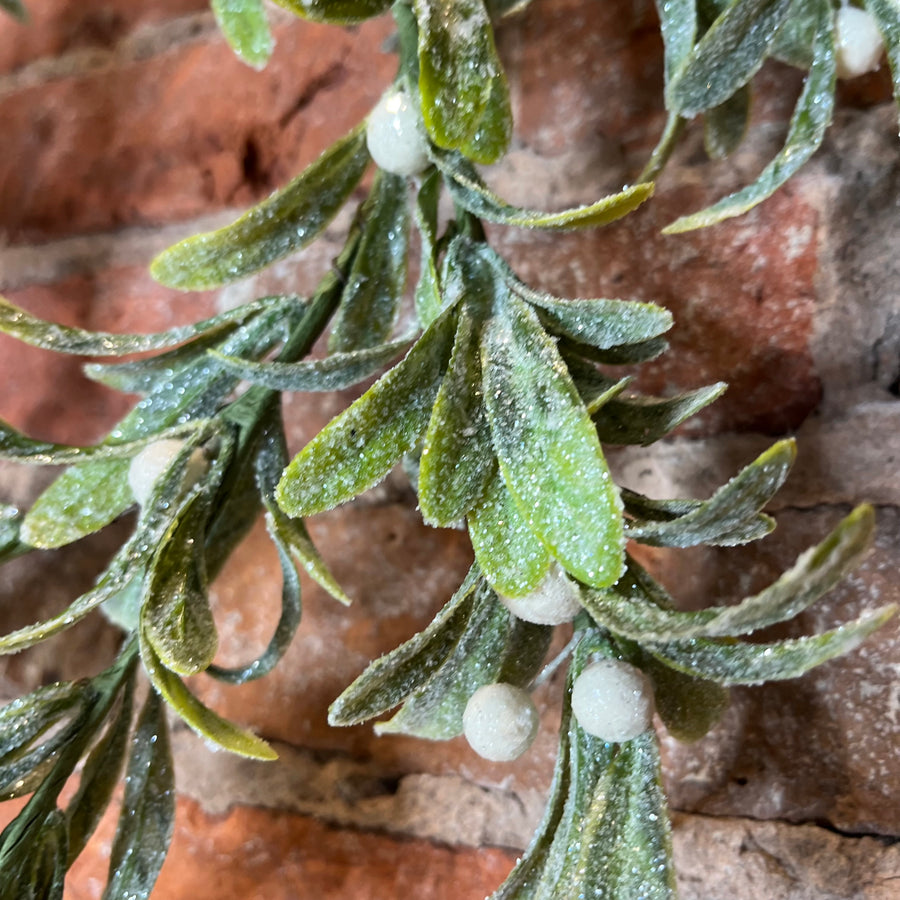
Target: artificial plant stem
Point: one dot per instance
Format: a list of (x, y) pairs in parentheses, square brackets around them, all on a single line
[(663, 150)]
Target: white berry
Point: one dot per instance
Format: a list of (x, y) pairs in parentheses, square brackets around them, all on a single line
[(553, 602), (500, 722), (393, 135), (613, 700), (858, 42), (148, 466)]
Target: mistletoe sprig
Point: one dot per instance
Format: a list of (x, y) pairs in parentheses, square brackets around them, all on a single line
[(499, 408)]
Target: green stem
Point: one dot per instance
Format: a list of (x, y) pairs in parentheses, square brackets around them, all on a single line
[(663, 150)]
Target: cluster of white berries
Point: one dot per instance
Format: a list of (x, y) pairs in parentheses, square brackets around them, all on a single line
[(858, 42), (394, 135), (148, 466)]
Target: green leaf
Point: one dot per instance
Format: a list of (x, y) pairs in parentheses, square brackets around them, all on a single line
[(810, 120), (287, 622), (726, 57), (358, 448), (678, 24), (333, 373), (148, 809), (688, 706), (594, 388), (36, 869), (37, 332), (632, 608), (246, 28), (286, 221), (10, 526), (175, 613), (428, 293), (377, 279), (337, 12), (725, 125), (99, 777), (887, 18), (547, 447), (732, 505), (14, 8), (600, 323), (470, 192), (200, 718), (643, 420), (742, 663), (625, 355), (457, 457), (461, 82), (493, 646), (794, 42), (389, 680), (84, 499), (512, 557)]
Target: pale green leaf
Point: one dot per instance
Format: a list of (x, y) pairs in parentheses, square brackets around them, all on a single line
[(726, 57), (358, 448), (810, 120), (547, 447), (246, 28), (286, 221)]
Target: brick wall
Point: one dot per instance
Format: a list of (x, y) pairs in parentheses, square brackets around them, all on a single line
[(126, 125)]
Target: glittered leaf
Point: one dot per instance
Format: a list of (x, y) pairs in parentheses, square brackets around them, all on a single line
[(723, 515), (461, 81), (794, 42), (725, 125), (428, 294), (811, 118), (494, 646), (741, 663), (887, 18), (643, 420), (470, 192), (246, 28), (286, 221), (623, 355), (148, 810), (358, 448), (389, 680), (457, 457), (678, 24), (337, 12), (512, 557), (547, 447), (374, 287), (726, 57), (200, 718)]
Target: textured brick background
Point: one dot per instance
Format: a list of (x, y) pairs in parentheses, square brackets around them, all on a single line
[(126, 125)]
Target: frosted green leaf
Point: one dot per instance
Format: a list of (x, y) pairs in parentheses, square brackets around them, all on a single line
[(494, 646), (37, 332), (633, 609), (84, 499), (887, 17), (547, 447), (728, 509), (461, 81), (377, 279), (594, 388), (428, 294), (389, 680), (457, 458), (175, 614), (643, 420), (358, 448), (512, 557), (810, 120), (148, 809), (338, 12), (725, 125), (284, 222), (624, 355), (794, 42), (200, 718), (726, 57), (599, 323), (246, 28), (10, 525), (678, 24), (470, 192), (742, 663), (333, 373), (287, 625), (99, 777)]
